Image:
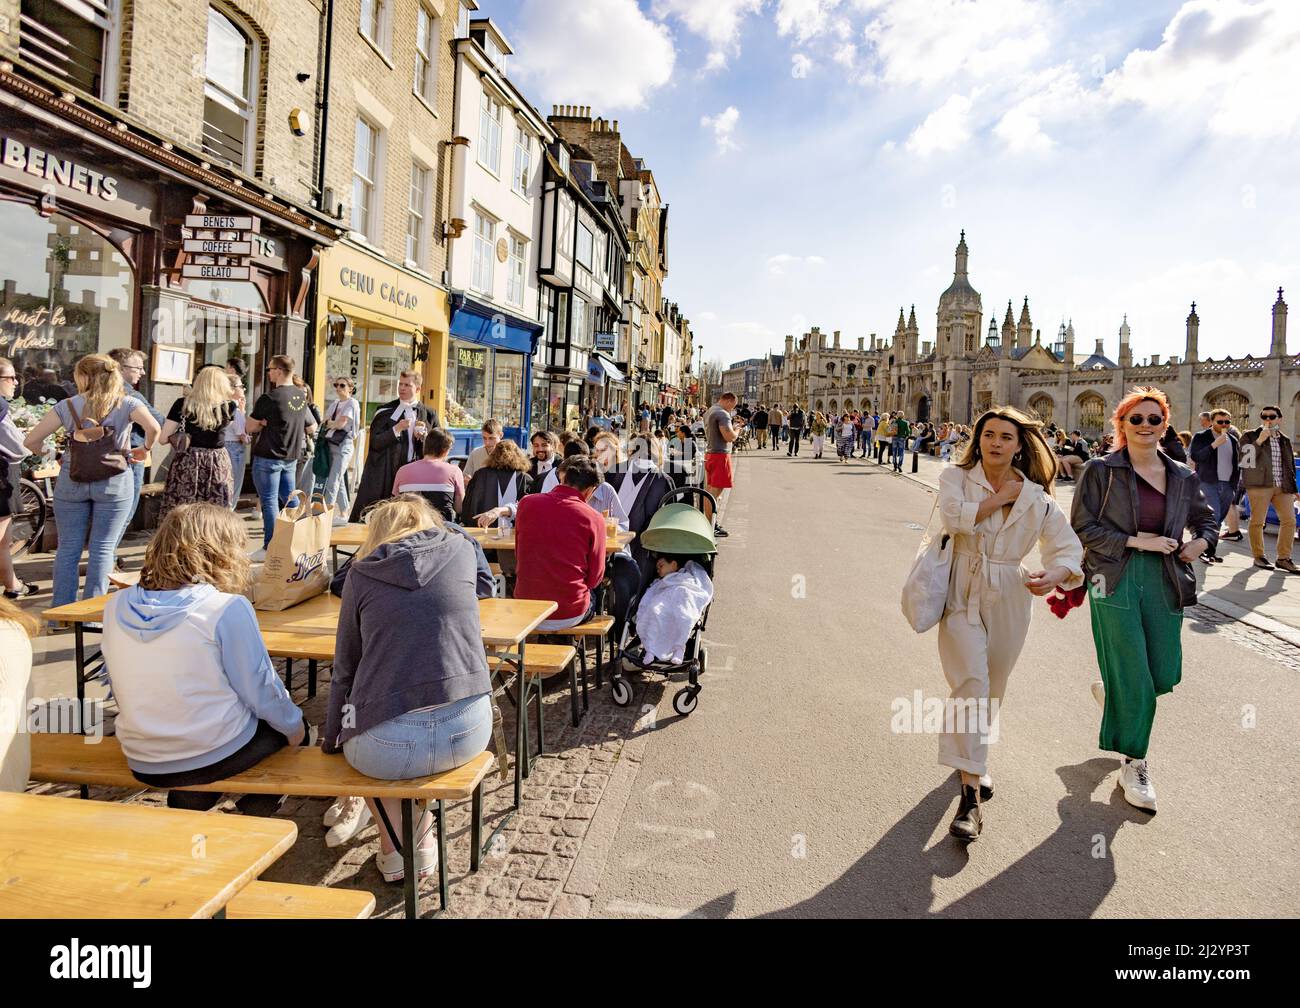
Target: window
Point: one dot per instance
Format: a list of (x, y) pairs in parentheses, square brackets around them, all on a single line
[(515, 278), (365, 170), (426, 41), (374, 23), (462, 20), (415, 214), (228, 106), (68, 40), (584, 245), (485, 235), (578, 336), (489, 134), (523, 162)]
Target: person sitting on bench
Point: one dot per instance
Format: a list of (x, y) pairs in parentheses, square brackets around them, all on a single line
[(198, 697), (435, 479)]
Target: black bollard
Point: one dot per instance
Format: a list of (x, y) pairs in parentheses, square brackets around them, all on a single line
[(915, 457)]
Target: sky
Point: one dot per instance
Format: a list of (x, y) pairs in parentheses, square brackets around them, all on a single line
[(821, 157)]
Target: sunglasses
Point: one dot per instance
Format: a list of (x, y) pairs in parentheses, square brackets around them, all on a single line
[(1271, 416), (1154, 419), (1222, 423), (342, 385)]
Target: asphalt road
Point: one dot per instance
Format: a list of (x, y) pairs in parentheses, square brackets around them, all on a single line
[(786, 793)]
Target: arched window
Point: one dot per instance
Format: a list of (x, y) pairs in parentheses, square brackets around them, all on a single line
[(853, 369), (830, 369), (871, 372), (1231, 400), (1042, 407), (230, 92), (1092, 414)]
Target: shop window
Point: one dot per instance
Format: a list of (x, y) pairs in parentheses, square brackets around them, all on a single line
[(515, 284), (229, 105), (508, 388), (69, 40), (426, 68), (523, 162), (467, 378), (485, 236), (415, 215), (67, 292), (365, 172), (489, 134), (225, 320)]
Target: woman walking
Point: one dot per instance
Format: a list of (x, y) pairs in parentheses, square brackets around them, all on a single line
[(1131, 509), (96, 509), (342, 423), (237, 439), (200, 470), (846, 433), (818, 427), (996, 502)]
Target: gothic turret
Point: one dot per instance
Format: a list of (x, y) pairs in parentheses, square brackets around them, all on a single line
[(1125, 351), (960, 315), (900, 338), (1193, 330), (1008, 331), (1069, 346), (1279, 326), (1024, 328)]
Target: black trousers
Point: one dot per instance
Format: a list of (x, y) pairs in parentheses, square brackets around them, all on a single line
[(265, 741), (795, 437)]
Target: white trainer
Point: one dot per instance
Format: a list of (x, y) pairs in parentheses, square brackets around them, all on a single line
[(340, 521), (1099, 693), (354, 814), (1135, 779), (332, 813), (257, 556), (391, 868)]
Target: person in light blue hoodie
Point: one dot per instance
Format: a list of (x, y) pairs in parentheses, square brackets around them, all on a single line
[(198, 697)]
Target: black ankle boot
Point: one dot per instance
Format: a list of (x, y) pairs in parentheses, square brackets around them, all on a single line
[(968, 823)]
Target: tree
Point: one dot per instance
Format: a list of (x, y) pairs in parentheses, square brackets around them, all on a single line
[(712, 379)]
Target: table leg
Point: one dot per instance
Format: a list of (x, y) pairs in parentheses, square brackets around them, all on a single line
[(443, 889), (476, 828), (521, 734), (408, 860), (79, 648), (573, 687), (288, 674), (311, 678), (541, 737)]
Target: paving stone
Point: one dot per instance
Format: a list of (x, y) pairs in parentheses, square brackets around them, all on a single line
[(587, 796), (534, 824), (581, 812), (566, 847), (566, 780), (555, 809), (573, 827), (571, 906), (523, 866), (562, 795), (538, 891), (555, 869), (531, 911), (503, 888), (594, 779), (532, 843)]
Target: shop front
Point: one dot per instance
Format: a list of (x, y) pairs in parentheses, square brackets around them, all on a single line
[(95, 221), (376, 320), (489, 372)]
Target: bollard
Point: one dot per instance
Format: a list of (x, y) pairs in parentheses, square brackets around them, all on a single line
[(915, 457)]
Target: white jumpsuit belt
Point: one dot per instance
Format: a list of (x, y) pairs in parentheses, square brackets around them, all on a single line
[(981, 580)]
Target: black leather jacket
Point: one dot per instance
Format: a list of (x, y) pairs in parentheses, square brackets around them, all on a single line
[(1104, 522)]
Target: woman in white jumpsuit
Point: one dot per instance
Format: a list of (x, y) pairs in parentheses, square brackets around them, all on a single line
[(997, 505)]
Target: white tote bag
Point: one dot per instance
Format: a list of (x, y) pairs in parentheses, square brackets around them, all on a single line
[(295, 568), (925, 592)]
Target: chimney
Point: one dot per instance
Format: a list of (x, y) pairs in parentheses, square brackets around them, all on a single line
[(789, 345), (1279, 326), (860, 344), (1155, 360), (874, 345), (1099, 352), (837, 339)]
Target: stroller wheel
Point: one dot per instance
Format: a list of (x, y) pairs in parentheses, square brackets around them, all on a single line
[(685, 699), (620, 690)]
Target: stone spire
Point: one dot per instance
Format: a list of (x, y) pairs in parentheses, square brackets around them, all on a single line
[(1024, 328), (1193, 329), (1069, 346), (1279, 326), (1125, 351), (900, 338), (1008, 331), (913, 335), (962, 252)]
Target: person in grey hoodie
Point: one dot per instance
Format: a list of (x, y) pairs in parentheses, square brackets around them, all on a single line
[(198, 698), (410, 695)]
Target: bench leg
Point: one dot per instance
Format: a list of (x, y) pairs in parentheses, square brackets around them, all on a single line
[(582, 654), (521, 736), (443, 889), (476, 829), (288, 674), (311, 678), (79, 647), (408, 859), (573, 688), (541, 737)]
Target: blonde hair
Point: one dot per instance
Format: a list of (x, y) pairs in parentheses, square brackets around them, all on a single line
[(610, 439), (206, 402), (507, 455), (99, 380), (12, 614), (395, 519), (197, 544)]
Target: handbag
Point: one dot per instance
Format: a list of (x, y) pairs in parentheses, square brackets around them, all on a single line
[(925, 592), (336, 436), (181, 440), (93, 452)]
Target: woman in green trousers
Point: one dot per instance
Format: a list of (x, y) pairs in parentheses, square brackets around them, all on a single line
[(1131, 510)]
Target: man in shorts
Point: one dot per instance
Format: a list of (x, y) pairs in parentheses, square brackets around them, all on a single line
[(718, 436)]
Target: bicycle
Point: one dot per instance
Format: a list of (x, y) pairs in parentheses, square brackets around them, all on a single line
[(27, 524)]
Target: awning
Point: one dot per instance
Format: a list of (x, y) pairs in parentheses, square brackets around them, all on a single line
[(491, 326), (608, 370)]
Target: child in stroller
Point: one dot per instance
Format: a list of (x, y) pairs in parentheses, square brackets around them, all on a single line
[(668, 611)]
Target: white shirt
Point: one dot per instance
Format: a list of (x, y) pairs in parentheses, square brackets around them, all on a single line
[(406, 411)]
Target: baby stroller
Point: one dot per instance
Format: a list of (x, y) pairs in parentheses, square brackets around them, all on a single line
[(679, 529)]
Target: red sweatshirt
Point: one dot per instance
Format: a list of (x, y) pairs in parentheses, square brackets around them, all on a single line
[(559, 550)]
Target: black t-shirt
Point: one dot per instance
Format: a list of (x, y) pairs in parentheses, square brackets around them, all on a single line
[(200, 438), (285, 411)]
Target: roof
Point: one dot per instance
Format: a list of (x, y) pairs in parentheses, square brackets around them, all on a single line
[(1096, 361)]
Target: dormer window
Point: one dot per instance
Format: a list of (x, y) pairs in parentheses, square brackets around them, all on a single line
[(564, 159)]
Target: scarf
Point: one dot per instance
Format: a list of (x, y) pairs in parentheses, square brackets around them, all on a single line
[(406, 411)]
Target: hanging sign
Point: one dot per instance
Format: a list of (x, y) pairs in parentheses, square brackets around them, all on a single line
[(221, 222), (212, 271), (217, 246)]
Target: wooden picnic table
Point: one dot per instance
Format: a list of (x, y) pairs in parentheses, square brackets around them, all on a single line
[(70, 859), (352, 536)]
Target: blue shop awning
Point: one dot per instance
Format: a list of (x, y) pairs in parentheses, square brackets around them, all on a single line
[(492, 327), (601, 369)]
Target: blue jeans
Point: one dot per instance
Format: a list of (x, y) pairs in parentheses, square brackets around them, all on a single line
[(274, 479), (896, 453), (336, 487), (422, 743), (99, 511), (238, 452), (1219, 495), (864, 441)]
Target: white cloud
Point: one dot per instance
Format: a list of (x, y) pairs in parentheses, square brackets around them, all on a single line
[(945, 129), (782, 262), (716, 21), (928, 43), (1231, 61), (604, 51), (723, 126), (845, 54), (1022, 132), (803, 19), (799, 66)]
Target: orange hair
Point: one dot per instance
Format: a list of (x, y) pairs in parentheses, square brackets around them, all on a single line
[(1143, 393)]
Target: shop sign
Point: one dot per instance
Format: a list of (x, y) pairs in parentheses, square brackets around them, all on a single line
[(364, 283), (217, 246), (67, 173), (30, 330), (221, 222), (651, 375), (607, 342), (215, 271)]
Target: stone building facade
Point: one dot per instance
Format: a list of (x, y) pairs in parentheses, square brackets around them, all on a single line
[(958, 375)]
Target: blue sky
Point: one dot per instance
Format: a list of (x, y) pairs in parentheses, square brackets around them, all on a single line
[(821, 157)]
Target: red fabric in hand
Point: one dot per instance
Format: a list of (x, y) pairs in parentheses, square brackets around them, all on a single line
[(1062, 601)]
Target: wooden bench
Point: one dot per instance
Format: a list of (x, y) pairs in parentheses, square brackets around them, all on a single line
[(598, 627), (282, 901), (146, 514), (308, 772), (542, 661)]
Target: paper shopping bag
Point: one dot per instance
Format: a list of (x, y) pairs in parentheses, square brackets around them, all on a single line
[(295, 568)]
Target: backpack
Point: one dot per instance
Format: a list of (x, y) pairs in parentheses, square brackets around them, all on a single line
[(94, 453)]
